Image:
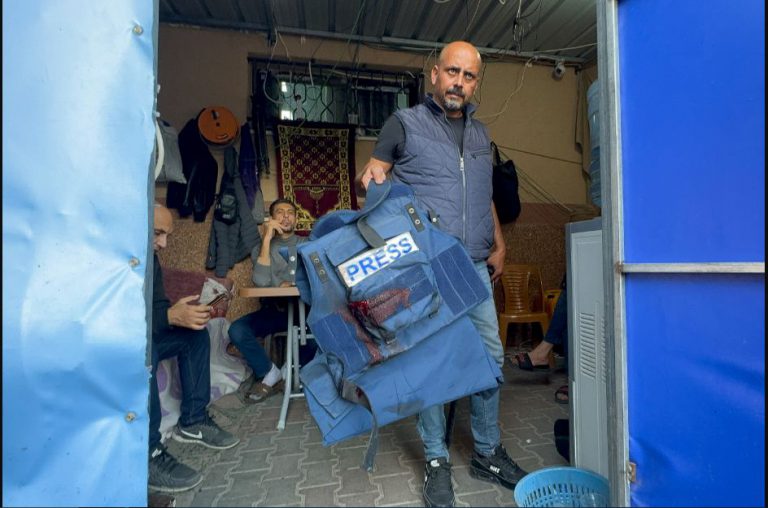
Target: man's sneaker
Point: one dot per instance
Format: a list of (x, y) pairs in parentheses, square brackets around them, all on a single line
[(438, 488), (207, 433), (498, 468), (166, 474)]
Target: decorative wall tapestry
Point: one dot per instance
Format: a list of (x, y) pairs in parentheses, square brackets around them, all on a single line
[(316, 169)]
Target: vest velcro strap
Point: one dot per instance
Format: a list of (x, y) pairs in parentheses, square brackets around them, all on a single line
[(370, 235), (373, 445), (351, 392)]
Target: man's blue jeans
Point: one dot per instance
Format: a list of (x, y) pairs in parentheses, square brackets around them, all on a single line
[(248, 332), (557, 333), (192, 349), (484, 406)]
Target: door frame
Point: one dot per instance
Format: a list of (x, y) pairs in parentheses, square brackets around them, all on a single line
[(613, 250)]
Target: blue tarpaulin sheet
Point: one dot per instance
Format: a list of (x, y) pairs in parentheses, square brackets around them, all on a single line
[(78, 137), (692, 87)]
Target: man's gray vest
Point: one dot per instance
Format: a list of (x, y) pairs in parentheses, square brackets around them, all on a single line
[(457, 187), (388, 294)]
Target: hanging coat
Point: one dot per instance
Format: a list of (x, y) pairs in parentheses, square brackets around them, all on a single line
[(201, 171), (249, 174), (232, 242)]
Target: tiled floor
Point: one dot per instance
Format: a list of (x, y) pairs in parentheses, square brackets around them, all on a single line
[(292, 468)]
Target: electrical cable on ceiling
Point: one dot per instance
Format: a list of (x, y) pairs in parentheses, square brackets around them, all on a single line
[(271, 55), (528, 186), (536, 191), (329, 73), (532, 13), (517, 29), (568, 48), (533, 188), (488, 56), (356, 56), (266, 94), (425, 66), (469, 23), (521, 28), (317, 47), (299, 81), (497, 54), (506, 101), (280, 36), (346, 46), (264, 81), (519, 34), (479, 94), (538, 24)]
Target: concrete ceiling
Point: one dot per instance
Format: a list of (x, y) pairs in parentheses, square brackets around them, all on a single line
[(505, 28)]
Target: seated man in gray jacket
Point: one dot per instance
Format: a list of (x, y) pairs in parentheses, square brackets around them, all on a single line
[(270, 269)]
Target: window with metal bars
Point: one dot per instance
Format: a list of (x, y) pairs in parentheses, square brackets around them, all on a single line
[(330, 94)]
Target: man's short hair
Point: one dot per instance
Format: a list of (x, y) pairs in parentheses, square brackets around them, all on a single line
[(280, 202)]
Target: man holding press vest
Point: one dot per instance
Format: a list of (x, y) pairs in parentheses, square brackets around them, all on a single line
[(444, 155)]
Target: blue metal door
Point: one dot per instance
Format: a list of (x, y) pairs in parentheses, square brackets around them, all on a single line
[(78, 134), (691, 80)]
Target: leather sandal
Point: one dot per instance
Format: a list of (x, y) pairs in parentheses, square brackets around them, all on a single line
[(525, 363), (261, 392)]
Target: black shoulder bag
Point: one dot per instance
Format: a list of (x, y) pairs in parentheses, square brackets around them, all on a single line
[(505, 188)]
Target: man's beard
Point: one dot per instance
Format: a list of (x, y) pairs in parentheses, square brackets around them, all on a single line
[(453, 104)]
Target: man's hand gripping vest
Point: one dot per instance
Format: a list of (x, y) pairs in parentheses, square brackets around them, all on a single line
[(388, 294)]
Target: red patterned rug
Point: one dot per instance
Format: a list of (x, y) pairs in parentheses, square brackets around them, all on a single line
[(316, 164)]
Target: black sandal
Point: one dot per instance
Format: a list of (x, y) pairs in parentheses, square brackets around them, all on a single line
[(524, 362)]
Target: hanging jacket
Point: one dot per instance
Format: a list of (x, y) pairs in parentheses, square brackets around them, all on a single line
[(247, 164), (388, 294), (249, 174), (455, 185), (201, 171), (262, 109), (231, 243)]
